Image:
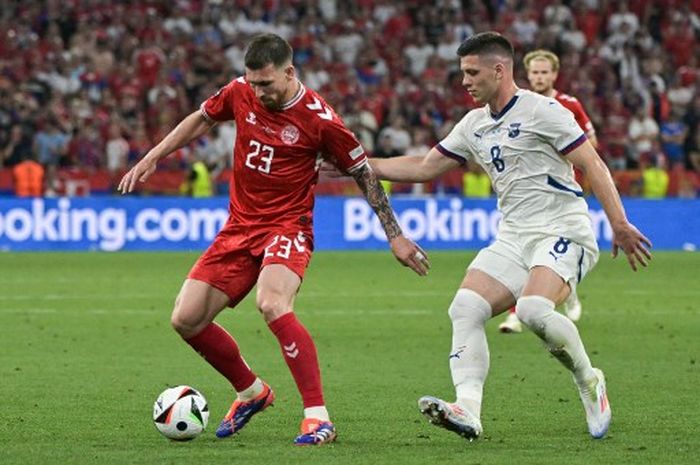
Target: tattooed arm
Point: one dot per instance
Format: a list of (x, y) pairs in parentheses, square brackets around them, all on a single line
[(376, 197), (405, 250)]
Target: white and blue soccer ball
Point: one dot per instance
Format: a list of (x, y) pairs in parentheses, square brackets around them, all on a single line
[(181, 413)]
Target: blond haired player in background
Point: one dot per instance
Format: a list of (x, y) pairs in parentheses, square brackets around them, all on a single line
[(542, 71)]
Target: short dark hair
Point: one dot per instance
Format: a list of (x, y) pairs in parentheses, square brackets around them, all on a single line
[(486, 43), (265, 49)]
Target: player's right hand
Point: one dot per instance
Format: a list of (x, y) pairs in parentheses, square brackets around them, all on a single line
[(140, 172), (410, 254)]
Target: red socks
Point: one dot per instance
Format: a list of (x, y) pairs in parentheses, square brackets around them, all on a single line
[(220, 350), (299, 352)]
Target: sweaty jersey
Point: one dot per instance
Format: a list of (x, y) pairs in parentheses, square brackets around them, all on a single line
[(572, 104), (522, 149), (277, 153)]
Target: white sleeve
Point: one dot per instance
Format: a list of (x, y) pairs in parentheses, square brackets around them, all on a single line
[(557, 126), (456, 144)]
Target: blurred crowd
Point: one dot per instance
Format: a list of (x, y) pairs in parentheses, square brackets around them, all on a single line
[(95, 83)]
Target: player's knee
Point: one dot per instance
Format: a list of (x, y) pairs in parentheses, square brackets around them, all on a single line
[(468, 305), (185, 321), (533, 310), (271, 306)]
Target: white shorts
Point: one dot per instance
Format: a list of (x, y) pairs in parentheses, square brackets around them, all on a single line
[(510, 258)]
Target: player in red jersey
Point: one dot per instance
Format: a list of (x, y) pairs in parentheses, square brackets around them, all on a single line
[(542, 70), (283, 128)]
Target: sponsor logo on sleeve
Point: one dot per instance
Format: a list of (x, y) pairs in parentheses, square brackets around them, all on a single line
[(356, 152)]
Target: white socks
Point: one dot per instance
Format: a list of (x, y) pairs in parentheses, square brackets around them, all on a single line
[(469, 359), (256, 388), (319, 413), (252, 391), (558, 332)]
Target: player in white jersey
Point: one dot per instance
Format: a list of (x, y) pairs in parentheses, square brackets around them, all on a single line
[(545, 245), (542, 71)]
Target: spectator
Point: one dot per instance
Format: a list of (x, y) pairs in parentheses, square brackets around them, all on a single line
[(314, 75), (397, 134), (418, 52), (347, 44), (17, 148), (362, 123), (615, 132), (385, 147), (51, 143), (434, 25), (679, 41), (449, 43), (161, 87), (199, 182), (116, 150), (371, 67), (28, 176), (477, 183), (384, 10), (588, 21), (420, 138), (623, 16), (572, 38), (556, 16), (678, 94), (673, 133), (523, 28), (660, 107), (85, 148), (642, 132), (690, 185), (149, 59), (655, 178)]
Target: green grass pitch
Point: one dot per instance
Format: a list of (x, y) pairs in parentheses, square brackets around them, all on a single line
[(86, 346)]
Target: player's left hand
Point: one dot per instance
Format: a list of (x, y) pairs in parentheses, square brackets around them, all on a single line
[(636, 246), (330, 170), (410, 254)]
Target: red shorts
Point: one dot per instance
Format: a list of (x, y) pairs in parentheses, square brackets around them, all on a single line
[(233, 261)]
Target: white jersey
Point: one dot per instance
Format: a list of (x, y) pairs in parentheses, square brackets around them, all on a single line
[(522, 149)]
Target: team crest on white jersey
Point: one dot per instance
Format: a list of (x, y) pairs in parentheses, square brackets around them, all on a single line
[(514, 130), (289, 134)]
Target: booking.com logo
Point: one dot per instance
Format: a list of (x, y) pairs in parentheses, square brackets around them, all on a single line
[(431, 222), (440, 222), (116, 223), (106, 228)]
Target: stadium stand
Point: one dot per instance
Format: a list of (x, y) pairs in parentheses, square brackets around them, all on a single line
[(87, 86)]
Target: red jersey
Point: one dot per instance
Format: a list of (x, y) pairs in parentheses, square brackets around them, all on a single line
[(277, 153), (572, 104)]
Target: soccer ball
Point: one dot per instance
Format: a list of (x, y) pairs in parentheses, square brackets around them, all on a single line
[(181, 413)]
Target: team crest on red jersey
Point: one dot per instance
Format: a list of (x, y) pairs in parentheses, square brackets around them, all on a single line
[(289, 134)]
